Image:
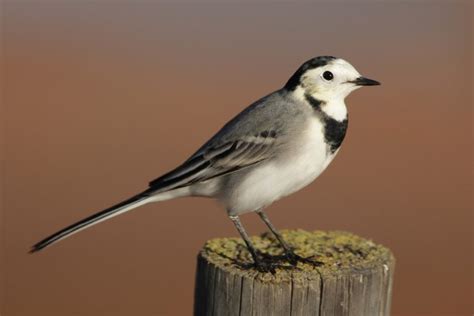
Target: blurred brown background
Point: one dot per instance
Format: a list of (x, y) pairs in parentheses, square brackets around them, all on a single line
[(100, 97)]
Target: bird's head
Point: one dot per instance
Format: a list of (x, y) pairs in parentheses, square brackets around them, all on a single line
[(327, 78)]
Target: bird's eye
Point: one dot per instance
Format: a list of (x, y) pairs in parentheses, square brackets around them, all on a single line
[(327, 75)]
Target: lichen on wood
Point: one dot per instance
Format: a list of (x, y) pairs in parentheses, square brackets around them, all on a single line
[(349, 276), (337, 251)]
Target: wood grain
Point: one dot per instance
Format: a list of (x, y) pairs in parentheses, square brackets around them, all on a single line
[(355, 277)]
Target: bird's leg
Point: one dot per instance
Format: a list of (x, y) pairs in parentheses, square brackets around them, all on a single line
[(292, 257), (259, 264), (245, 236), (275, 232)]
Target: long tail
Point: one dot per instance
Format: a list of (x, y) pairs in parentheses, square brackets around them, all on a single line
[(127, 205)]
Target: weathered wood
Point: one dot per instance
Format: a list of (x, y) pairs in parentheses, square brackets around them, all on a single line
[(355, 278)]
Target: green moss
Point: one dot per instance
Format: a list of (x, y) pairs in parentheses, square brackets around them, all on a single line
[(336, 250)]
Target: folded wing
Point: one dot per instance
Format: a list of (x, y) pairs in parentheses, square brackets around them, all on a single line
[(219, 159)]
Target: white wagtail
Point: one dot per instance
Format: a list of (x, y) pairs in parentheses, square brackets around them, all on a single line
[(274, 147)]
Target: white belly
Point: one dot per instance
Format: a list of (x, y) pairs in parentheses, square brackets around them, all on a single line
[(273, 180)]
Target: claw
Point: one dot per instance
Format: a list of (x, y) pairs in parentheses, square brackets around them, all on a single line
[(268, 263), (266, 266), (293, 259)]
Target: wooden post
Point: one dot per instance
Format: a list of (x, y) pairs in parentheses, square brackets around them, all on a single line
[(355, 277)]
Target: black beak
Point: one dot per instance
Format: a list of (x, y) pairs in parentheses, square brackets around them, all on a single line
[(362, 81)]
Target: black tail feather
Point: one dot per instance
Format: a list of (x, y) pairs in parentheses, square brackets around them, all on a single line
[(88, 221)]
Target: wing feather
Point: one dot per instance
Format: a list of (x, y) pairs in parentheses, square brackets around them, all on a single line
[(218, 160)]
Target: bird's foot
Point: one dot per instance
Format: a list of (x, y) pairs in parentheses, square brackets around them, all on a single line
[(293, 259), (269, 263), (266, 266)]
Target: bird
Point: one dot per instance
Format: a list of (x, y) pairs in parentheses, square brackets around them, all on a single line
[(273, 148)]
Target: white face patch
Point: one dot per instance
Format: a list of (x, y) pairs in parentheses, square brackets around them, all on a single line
[(329, 84), (314, 82)]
